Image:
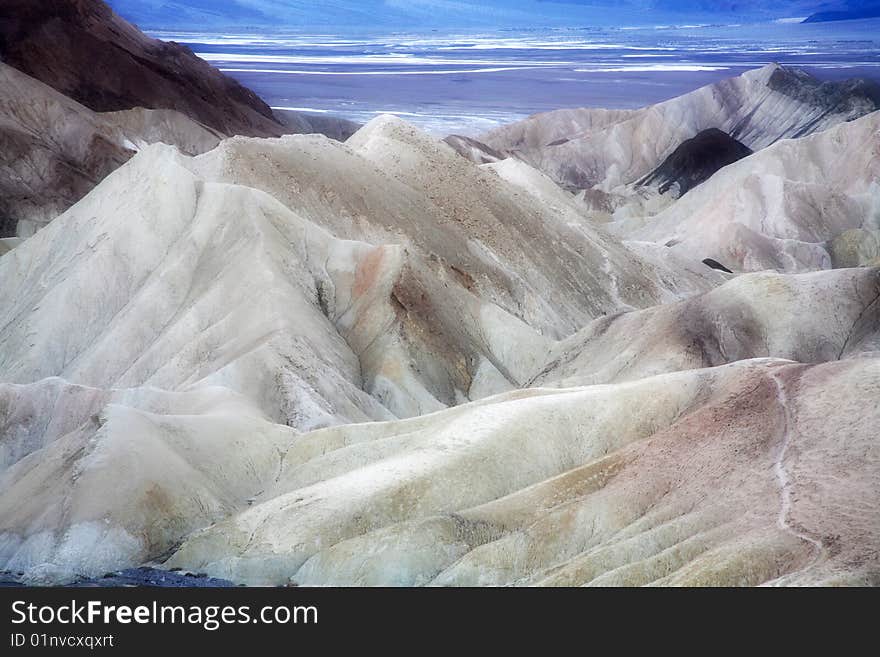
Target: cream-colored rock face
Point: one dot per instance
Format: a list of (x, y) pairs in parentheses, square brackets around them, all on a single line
[(858, 247), (143, 127), (300, 361), (320, 303), (752, 316), (8, 243)]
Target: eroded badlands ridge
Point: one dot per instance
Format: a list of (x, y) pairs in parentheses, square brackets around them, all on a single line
[(760, 472), (681, 173), (388, 266), (300, 361), (792, 206), (607, 150)]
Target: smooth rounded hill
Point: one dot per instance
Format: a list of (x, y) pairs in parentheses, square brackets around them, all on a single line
[(299, 361)]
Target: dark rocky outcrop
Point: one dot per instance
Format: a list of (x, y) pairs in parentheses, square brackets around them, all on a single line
[(85, 51), (714, 264), (844, 15), (697, 160), (81, 90), (54, 151)]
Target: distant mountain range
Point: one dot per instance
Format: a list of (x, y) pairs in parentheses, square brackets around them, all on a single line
[(845, 14), (436, 14)]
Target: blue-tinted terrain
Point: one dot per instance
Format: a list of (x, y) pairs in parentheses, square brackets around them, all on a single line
[(469, 81), (352, 15)]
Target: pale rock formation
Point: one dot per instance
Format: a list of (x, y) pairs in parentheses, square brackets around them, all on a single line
[(401, 301), (200, 283), (687, 275), (299, 123), (475, 151), (555, 128), (119, 477), (545, 265), (8, 243), (752, 316), (142, 127), (858, 247)]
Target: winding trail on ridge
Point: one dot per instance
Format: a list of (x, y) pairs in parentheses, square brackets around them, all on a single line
[(785, 482)]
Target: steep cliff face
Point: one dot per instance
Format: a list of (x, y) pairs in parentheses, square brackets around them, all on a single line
[(85, 51)]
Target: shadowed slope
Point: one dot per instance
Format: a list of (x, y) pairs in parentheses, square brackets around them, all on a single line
[(55, 150), (695, 161), (752, 316)]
